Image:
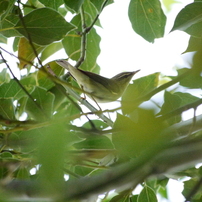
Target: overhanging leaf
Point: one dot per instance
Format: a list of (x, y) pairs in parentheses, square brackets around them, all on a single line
[(147, 18), (44, 26), (189, 19)]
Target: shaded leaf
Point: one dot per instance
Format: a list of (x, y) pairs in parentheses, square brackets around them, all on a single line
[(147, 195), (189, 19), (147, 18), (192, 80), (44, 26), (50, 50), (74, 5), (42, 78), (139, 88), (4, 76), (7, 109), (11, 90), (44, 100), (72, 45), (26, 53), (99, 4), (171, 102), (195, 44), (52, 3)]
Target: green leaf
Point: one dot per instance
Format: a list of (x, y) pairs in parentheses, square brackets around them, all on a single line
[(139, 88), (8, 26), (4, 76), (72, 45), (94, 142), (26, 53), (99, 4), (171, 102), (147, 195), (92, 11), (189, 19), (11, 90), (192, 81), (74, 5), (44, 100), (44, 81), (133, 135), (147, 18), (195, 44), (51, 153), (50, 50), (52, 3), (7, 109), (188, 187), (3, 39), (3, 6), (44, 26)]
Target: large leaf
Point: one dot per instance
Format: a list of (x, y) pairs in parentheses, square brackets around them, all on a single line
[(147, 18), (189, 19), (44, 26)]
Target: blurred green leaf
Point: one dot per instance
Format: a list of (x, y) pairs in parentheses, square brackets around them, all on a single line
[(195, 44), (139, 88), (44, 26), (147, 18), (4, 76), (51, 153), (132, 136), (147, 194), (192, 81)]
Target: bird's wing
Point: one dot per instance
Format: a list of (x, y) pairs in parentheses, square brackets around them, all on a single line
[(105, 82)]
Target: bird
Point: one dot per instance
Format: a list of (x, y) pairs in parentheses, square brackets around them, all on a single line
[(97, 87)]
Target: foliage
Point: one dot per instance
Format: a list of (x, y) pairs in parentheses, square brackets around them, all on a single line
[(44, 154)]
